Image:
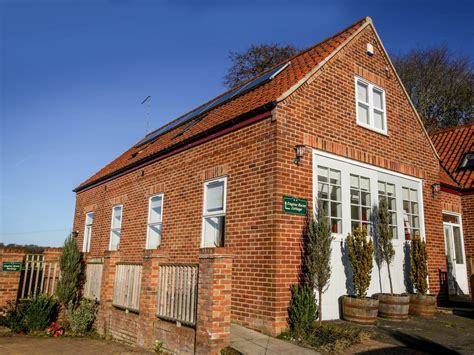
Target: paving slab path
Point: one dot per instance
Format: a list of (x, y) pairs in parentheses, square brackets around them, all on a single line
[(249, 341)]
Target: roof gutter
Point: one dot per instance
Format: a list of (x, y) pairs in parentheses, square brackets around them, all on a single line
[(460, 191), (232, 125)]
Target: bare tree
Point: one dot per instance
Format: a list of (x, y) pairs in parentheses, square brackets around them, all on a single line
[(440, 84), (255, 60)]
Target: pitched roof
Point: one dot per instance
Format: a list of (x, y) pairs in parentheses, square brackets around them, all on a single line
[(452, 144), (301, 64)]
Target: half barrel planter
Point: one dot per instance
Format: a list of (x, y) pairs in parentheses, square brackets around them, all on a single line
[(394, 307), (360, 310), (422, 305)]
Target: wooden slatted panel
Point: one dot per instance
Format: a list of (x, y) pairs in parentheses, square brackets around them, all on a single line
[(93, 282), (127, 285), (177, 293), (38, 277)]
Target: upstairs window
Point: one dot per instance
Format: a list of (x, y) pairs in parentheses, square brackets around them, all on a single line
[(467, 162), (213, 231), (86, 245), (370, 106), (116, 228), (155, 216)]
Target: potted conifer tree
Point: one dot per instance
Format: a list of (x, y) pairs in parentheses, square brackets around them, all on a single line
[(392, 306), (421, 304), (359, 308)]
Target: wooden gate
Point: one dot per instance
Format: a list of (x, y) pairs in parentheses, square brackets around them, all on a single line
[(37, 276)]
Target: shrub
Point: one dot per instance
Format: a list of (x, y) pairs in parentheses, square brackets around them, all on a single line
[(418, 264), (40, 312), (302, 310), (317, 249), (82, 317), (15, 317), (361, 251), (71, 268)]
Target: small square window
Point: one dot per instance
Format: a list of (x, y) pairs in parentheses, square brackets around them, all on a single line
[(370, 106)]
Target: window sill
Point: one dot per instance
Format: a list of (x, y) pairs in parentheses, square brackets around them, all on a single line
[(373, 129)]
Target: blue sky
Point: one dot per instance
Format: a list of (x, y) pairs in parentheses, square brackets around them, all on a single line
[(73, 74)]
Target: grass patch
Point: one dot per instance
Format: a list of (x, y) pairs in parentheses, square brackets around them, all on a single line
[(330, 337), (230, 351)]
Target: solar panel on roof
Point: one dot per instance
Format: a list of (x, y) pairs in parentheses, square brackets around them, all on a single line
[(227, 97)]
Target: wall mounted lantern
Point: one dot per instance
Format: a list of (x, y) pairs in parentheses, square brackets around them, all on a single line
[(435, 189), (299, 150)]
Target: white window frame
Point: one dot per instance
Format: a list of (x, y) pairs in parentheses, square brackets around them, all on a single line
[(112, 229), (347, 167), (458, 224), (213, 214), (152, 224), (370, 105), (86, 242)]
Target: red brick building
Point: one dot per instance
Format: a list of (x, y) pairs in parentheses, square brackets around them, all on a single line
[(334, 121), (455, 147)]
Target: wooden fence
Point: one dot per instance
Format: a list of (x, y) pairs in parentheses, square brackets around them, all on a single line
[(93, 281), (128, 279), (38, 276), (177, 293)]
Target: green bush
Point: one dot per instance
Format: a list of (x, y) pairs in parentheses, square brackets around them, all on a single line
[(302, 310), (15, 317), (82, 317), (40, 312)]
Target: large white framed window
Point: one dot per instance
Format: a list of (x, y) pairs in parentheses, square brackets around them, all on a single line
[(361, 187), (116, 227), (86, 244), (155, 218), (213, 221), (370, 110)]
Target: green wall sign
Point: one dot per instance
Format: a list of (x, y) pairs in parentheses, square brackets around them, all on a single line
[(295, 205), (11, 266)]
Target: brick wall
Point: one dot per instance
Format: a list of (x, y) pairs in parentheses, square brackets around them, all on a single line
[(321, 114), (9, 280), (246, 158)]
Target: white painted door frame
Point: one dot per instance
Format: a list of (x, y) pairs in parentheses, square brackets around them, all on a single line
[(456, 264)]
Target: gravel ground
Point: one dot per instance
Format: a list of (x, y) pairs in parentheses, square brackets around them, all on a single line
[(63, 345)]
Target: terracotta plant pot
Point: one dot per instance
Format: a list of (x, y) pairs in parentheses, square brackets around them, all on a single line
[(422, 305), (393, 306), (360, 310)]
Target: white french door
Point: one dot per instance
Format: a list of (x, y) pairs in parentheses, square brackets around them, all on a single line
[(455, 256)]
